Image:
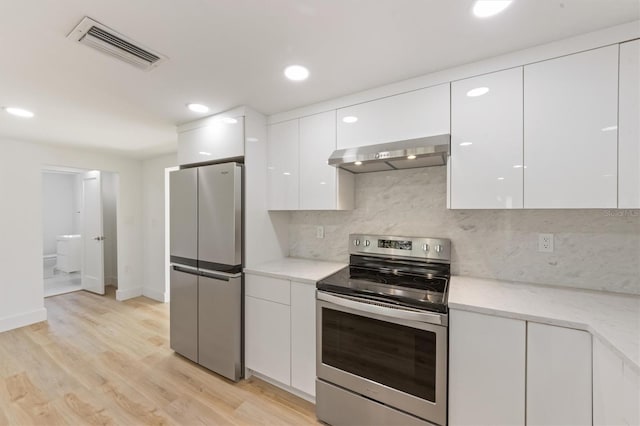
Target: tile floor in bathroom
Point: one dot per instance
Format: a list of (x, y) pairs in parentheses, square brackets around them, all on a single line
[(61, 283)]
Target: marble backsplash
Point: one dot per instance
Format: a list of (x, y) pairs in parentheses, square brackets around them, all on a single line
[(594, 249)]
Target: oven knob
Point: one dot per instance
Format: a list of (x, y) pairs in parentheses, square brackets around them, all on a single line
[(356, 243), (425, 247), (438, 248), (367, 243)]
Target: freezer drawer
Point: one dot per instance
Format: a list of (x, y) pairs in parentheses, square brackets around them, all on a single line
[(220, 325), (183, 312), (220, 217), (183, 199)]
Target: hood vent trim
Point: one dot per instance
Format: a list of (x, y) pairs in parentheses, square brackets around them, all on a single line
[(93, 34), (425, 152)]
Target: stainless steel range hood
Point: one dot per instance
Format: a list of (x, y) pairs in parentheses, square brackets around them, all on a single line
[(407, 154)]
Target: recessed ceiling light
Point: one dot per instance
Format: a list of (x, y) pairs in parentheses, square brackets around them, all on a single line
[(204, 153), (19, 112), (486, 8), (350, 119), (478, 91), (286, 174), (358, 163), (296, 72), (198, 108), (466, 143), (411, 157), (229, 120), (500, 178), (609, 129)]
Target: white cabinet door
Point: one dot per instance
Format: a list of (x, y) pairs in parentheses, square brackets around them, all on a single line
[(303, 337), (629, 126), (411, 115), (486, 370), (559, 385), (268, 339), (318, 183), (486, 141), (631, 392), (570, 153), (213, 138), (282, 166), (608, 396)]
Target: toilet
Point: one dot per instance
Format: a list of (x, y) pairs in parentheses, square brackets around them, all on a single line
[(49, 264)]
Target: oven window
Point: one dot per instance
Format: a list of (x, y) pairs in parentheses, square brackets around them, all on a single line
[(397, 356)]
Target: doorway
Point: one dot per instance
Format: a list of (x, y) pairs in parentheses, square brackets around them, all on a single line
[(79, 230)]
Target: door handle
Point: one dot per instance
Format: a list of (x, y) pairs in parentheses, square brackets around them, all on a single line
[(100, 238)]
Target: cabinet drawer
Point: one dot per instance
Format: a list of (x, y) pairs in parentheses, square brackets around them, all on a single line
[(267, 288)]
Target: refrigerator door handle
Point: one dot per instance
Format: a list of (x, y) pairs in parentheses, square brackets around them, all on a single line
[(185, 269), (219, 275)]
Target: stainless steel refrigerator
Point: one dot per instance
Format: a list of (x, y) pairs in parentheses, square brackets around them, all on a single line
[(206, 323)]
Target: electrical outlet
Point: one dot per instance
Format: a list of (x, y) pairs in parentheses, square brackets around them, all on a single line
[(545, 243), (319, 231)]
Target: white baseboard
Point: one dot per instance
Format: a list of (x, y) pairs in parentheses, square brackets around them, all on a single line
[(154, 294), (24, 319), (296, 392), (128, 294)]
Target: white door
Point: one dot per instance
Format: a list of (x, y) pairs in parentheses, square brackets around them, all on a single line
[(92, 233)]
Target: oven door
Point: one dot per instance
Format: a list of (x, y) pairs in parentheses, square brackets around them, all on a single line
[(394, 356)]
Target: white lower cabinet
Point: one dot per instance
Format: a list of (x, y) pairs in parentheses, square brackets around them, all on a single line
[(505, 371), (616, 389), (631, 391), (268, 340), (559, 386), (608, 396), (280, 329), (303, 337), (486, 369)]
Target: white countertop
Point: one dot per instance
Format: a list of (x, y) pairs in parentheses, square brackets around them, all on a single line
[(291, 268), (613, 318)]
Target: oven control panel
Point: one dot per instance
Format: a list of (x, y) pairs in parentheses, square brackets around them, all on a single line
[(438, 249)]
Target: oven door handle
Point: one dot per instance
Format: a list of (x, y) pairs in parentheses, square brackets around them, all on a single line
[(430, 318)]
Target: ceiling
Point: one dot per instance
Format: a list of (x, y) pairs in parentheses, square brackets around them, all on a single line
[(226, 53)]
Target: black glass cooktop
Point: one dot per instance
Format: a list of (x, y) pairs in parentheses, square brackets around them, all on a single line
[(403, 282)]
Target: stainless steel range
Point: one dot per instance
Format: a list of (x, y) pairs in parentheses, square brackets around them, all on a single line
[(382, 334)]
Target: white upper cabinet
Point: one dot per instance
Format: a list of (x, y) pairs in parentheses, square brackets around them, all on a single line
[(212, 138), (299, 176), (486, 141), (570, 131), (282, 166), (629, 126), (559, 384), (322, 187), (411, 115)]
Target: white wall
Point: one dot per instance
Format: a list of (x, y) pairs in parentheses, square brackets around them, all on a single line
[(21, 164), (58, 205), (154, 223), (110, 226)]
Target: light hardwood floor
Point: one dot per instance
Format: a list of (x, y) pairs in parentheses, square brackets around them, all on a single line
[(102, 362)]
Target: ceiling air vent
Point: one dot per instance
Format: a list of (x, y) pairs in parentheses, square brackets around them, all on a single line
[(111, 42)]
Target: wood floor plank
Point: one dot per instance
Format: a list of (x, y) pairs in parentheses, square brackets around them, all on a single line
[(97, 361)]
